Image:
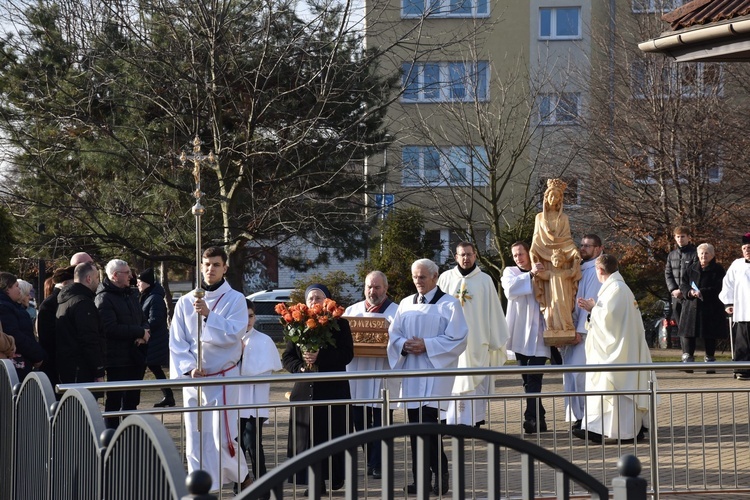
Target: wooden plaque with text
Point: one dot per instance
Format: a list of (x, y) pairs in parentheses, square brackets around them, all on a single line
[(370, 336)]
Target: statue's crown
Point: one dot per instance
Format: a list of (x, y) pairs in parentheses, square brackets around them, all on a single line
[(557, 183)]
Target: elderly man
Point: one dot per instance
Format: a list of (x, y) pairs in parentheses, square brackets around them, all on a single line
[(526, 325), (429, 331), (223, 316), (615, 336), (80, 258), (735, 294), (488, 333), (127, 333), (588, 286), (378, 305)]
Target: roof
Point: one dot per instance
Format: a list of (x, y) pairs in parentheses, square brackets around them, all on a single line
[(705, 30), (702, 12)]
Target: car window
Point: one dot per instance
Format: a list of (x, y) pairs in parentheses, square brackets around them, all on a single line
[(265, 308)]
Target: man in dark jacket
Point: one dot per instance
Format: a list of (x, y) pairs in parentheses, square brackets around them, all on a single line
[(127, 333), (678, 261), (155, 311), (17, 323), (79, 342), (46, 318)]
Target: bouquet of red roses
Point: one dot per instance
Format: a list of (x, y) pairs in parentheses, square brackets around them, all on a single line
[(311, 328)]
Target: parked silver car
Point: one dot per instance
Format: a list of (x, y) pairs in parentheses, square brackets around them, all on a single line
[(266, 319)]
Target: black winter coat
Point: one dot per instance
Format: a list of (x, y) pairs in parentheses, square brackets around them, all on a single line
[(703, 318), (678, 260), (17, 323), (155, 311), (330, 359), (45, 330), (80, 344), (123, 322)]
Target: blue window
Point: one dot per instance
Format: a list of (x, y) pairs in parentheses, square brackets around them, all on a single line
[(560, 23), (445, 8), (445, 82), (447, 166)]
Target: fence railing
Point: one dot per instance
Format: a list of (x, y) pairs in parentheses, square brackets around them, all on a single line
[(699, 438)]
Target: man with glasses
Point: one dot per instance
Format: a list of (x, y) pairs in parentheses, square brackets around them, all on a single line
[(488, 333), (127, 333), (575, 354)]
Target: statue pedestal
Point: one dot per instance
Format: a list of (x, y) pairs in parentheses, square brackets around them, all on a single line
[(559, 337)]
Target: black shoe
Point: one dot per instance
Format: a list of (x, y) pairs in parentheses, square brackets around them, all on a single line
[(411, 489), (594, 437), (576, 424), (370, 471), (165, 402), (377, 473), (530, 426), (338, 486), (444, 485), (742, 376)]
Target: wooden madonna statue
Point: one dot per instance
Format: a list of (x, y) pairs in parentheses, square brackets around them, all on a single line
[(555, 288)]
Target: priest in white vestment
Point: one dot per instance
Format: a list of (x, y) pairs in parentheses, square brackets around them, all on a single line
[(735, 294), (488, 334), (428, 332), (615, 336), (224, 320), (575, 354), (376, 305)]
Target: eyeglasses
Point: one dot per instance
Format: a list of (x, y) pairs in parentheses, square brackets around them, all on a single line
[(465, 255)]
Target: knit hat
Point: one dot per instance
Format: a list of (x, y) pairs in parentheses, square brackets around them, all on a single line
[(147, 276), (746, 238), (63, 274)]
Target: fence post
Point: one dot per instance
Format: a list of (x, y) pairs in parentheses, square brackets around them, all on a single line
[(629, 486), (198, 485)]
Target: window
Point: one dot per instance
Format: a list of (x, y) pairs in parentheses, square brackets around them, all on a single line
[(560, 23), (559, 109), (445, 82), (655, 6), (445, 8), (643, 167), (660, 78), (447, 166)]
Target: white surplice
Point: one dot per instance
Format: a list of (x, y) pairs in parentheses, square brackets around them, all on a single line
[(735, 289), (525, 319), (588, 288), (485, 343), (370, 388), (443, 327), (221, 350), (259, 357), (616, 336)]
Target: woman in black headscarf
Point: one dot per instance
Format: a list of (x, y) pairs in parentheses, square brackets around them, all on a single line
[(327, 359)]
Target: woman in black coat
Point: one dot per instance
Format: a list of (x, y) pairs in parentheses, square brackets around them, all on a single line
[(155, 311), (328, 359), (17, 323), (703, 313)]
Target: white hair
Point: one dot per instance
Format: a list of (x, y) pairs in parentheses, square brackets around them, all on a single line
[(113, 266), (427, 264), (25, 288), (708, 247)]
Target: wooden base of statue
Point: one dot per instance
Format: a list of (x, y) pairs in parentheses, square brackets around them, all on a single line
[(370, 336), (559, 338)]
